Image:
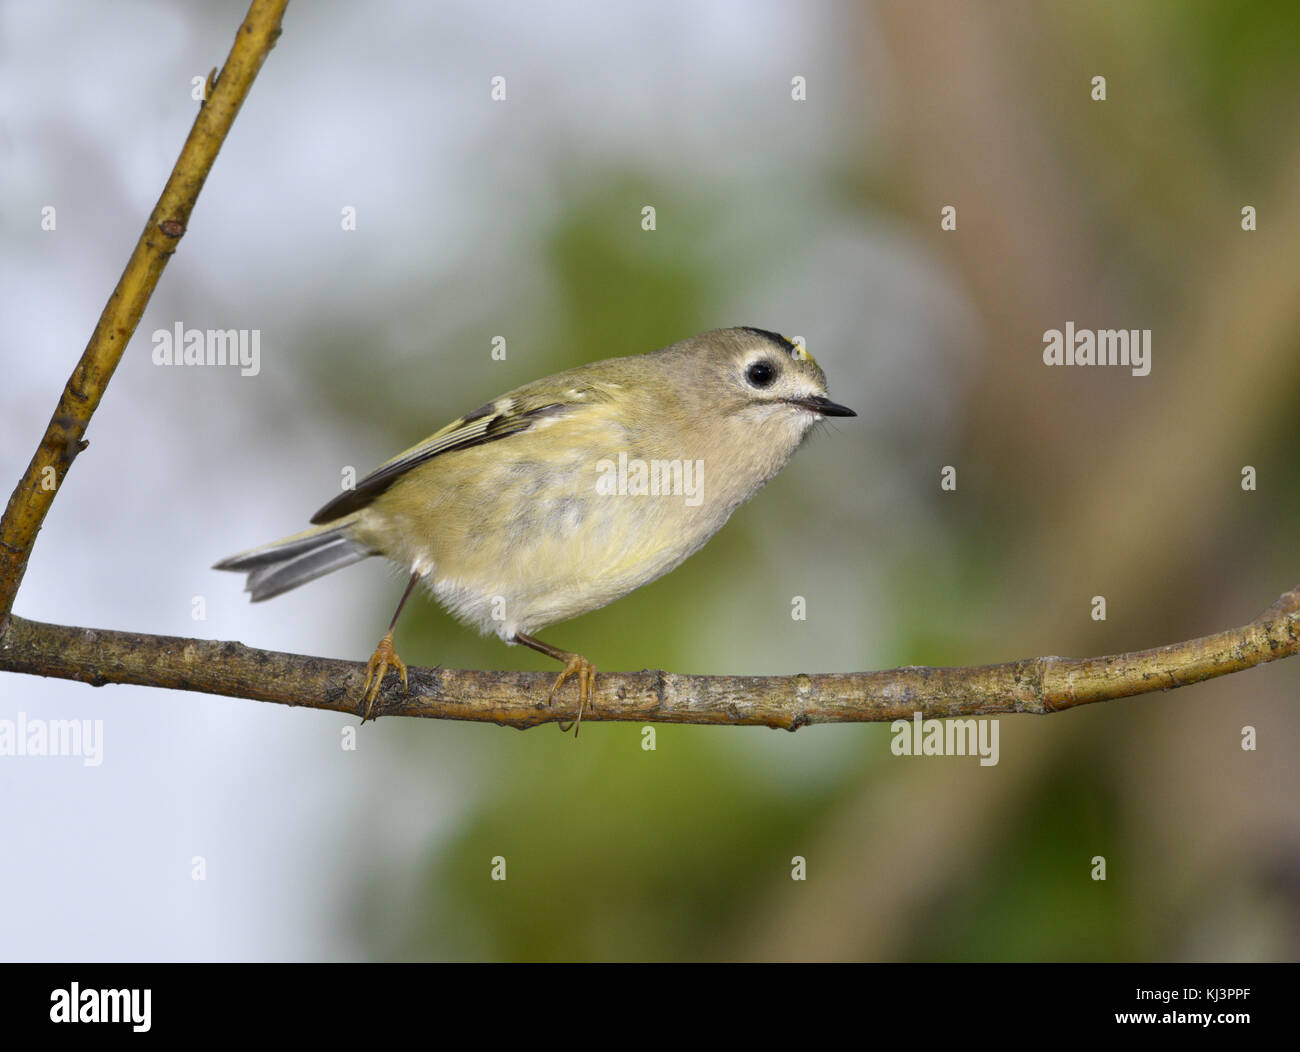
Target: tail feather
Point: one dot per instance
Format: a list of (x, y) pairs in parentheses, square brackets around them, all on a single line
[(283, 565)]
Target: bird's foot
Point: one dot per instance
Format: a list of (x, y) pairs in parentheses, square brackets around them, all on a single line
[(586, 673), (377, 668)]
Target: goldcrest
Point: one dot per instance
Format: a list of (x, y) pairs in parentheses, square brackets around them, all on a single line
[(568, 492)]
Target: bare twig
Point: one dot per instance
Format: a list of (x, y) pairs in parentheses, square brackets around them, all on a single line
[(98, 657), (518, 699), (65, 435)]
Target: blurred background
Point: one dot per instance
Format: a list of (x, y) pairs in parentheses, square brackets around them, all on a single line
[(819, 218)]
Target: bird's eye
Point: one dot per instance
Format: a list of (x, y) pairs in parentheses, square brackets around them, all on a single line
[(760, 374)]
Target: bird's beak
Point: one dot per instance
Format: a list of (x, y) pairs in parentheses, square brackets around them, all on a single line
[(822, 405)]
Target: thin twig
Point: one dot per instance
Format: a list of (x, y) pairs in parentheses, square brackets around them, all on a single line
[(65, 435), (1039, 685), (518, 699)]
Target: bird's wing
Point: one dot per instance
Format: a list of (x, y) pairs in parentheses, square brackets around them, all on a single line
[(508, 415)]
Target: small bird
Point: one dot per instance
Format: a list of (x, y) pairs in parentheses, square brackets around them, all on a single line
[(566, 493)]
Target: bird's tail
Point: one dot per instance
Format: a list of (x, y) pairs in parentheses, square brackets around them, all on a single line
[(285, 564)]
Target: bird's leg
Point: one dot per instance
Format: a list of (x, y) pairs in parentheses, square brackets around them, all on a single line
[(573, 664), (384, 656)]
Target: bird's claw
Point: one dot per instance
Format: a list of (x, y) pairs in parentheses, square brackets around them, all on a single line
[(586, 673), (377, 668)]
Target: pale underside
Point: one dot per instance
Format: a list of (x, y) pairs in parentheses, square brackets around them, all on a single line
[(557, 545)]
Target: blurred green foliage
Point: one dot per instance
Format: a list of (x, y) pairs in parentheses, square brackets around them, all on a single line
[(613, 852)]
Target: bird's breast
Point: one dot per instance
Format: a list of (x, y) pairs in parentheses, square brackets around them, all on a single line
[(543, 526)]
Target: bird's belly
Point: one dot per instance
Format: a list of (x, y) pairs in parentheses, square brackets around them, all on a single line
[(563, 557), (547, 557)]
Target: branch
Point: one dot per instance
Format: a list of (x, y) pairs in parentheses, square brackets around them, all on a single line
[(65, 435), (518, 699)]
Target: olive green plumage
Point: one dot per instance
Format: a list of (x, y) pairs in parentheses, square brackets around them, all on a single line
[(530, 510)]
